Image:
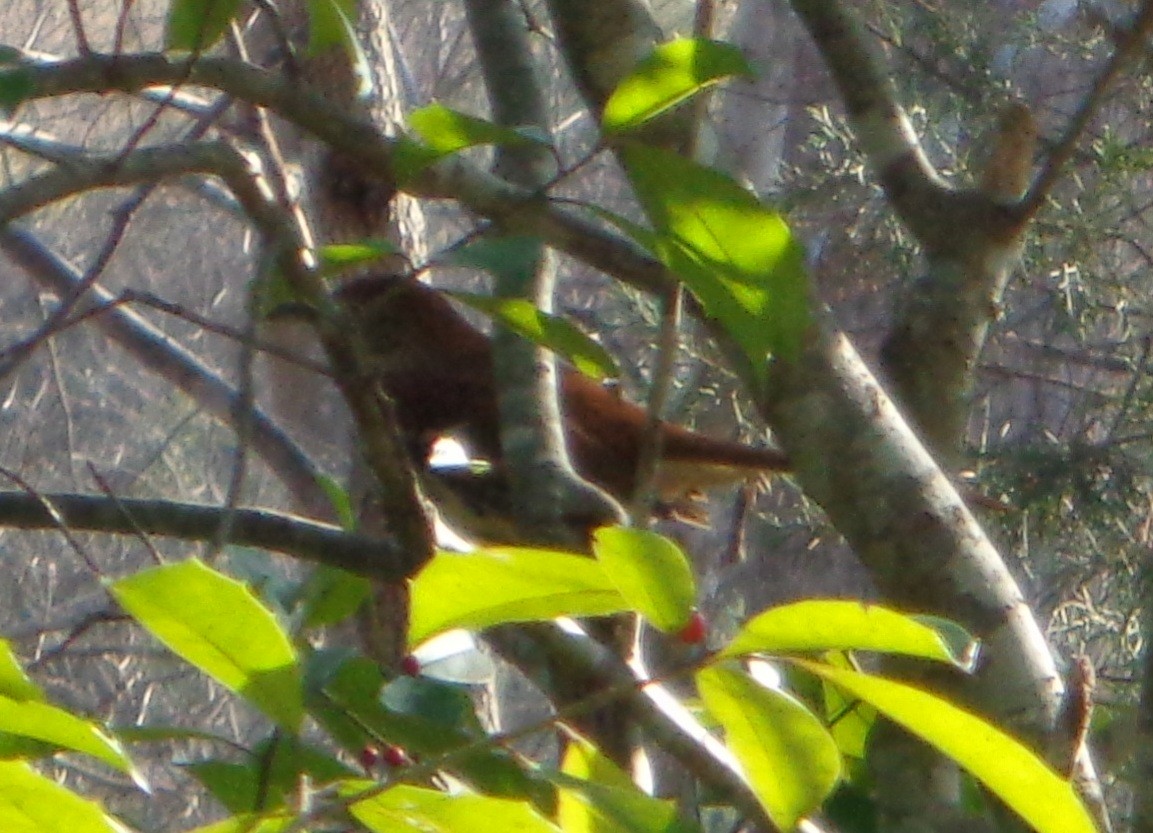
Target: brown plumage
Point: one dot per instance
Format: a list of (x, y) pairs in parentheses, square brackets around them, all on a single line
[(438, 369)]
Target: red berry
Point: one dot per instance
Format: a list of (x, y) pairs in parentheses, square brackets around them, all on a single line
[(694, 631), (410, 666), (395, 756), (369, 758)]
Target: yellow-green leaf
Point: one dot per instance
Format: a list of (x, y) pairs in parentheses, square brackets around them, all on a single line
[(787, 755), (736, 255), (443, 132), (31, 803), (826, 625), (404, 807), (14, 682), (1003, 764), (218, 625), (498, 585), (597, 796), (672, 73), (651, 572), (248, 823), (60, 729)]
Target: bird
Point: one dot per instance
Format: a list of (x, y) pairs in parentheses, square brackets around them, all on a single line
[(438, 370)]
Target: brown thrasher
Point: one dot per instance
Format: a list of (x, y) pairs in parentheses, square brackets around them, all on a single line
[(438, 370)]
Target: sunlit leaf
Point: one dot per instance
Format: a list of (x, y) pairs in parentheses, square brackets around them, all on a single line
[(404, 807), (195, 25), (336, 257), (824, 625), (494, 586), (849, 719), (15, 684), (218, 625), (652, 573), (60, 729), (672, 73), (787, 755), (31, 803), (264, 823), (440, 132), (597, 796), (735, 254), (1005, 766), (449, 130)]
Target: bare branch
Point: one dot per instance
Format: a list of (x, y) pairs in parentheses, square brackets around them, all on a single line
[(276, 531)]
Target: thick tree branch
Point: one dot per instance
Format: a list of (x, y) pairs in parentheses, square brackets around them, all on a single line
[(276, 531), (522, 210), (545, 487)]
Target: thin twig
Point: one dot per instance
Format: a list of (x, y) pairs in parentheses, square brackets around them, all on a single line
[(141, 535), (51, 518), (77, 19)]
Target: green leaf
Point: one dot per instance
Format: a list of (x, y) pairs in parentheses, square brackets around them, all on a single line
[(736, 255), (340, 499), (62, 730), (270, 778), (410, 157), (547, 330), (274, 295), (328, 24), (672, 73), (443, 132), (849, 719), (825, 625), (15, 87), (31, 803), (195, 25), (790, 760), (157, 733), (1005, 766), (444, 704), (449, 131), (345, 697), (404, 807), (331, 26), (331, 595), (517, 257), (14, 682), (596, 796), (962, 645), (264, 823), (337, 257), (652, 573), (497, 585), (218, 625)]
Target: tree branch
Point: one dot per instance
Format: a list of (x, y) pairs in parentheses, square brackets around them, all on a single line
[(276, 531)]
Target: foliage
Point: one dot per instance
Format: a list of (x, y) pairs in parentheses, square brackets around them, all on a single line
[(405, 731), (783, 693)]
